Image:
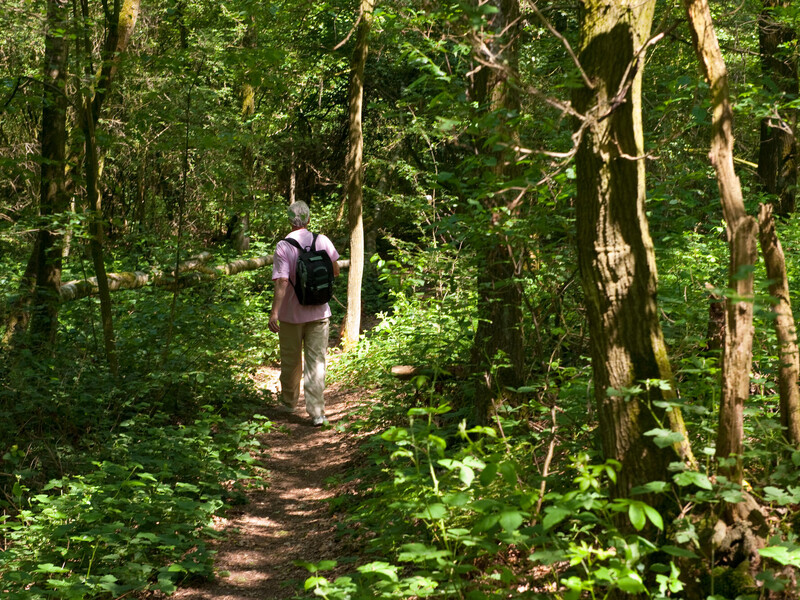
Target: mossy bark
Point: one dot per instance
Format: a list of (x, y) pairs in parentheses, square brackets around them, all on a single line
[(44, 318), (615, 251)]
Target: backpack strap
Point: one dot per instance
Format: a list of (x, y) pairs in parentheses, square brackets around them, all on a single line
[(297, 245), (293, 242)]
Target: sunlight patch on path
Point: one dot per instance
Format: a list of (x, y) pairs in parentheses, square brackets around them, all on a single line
[(290, 519)]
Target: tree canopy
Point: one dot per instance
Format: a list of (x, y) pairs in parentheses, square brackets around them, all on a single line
[(570, 229)]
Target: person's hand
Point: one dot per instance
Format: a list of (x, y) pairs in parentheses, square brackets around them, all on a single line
[(274, 326)]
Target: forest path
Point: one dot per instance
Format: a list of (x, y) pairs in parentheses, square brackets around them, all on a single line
[(289, 519)]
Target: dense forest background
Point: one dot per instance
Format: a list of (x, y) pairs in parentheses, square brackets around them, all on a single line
[(573, 223)]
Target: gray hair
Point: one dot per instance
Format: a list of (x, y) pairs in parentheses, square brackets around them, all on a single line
[(299, 214)]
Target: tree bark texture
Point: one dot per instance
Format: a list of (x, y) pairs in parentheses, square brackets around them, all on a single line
[(777, 156), (120, 23), (355, 178), (44, 321), (742, 230), (785, 331), (615, 251), (498, 352)]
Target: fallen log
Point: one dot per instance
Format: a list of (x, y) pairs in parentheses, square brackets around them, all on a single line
[(406, 372), (191, 272), (129, 280)]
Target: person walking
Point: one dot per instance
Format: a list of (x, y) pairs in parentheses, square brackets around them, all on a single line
[(302, 330)]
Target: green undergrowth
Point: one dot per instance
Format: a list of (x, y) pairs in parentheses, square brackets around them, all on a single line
[(473, 513), (523, 508), (110, 484)]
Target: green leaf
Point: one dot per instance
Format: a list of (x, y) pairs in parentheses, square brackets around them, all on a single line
[(664, 438), (488, 474), (554, 516), (510, 520), (509, 472), (652, 487), (636, 515), (432, 512), (417, 552), (631, 583), (654, 516), (782, 555), (49, 568), (383, 568), (313, 582), (680, 552), (686, 478), (781, 496)]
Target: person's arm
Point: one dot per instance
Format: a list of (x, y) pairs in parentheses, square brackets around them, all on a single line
[(280, 293)]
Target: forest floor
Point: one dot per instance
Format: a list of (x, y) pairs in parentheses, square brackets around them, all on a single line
[(289, 518)]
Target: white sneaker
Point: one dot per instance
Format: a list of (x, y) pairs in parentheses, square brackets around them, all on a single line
[(319, 421)]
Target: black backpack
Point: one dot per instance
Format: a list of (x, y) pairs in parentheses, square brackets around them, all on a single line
[(314, 274)]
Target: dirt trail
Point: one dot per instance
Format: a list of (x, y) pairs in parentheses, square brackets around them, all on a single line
[(290, 519)]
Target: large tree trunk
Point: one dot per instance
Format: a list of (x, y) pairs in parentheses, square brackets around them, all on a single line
[(355, 180), (44, 321), (498, 352), (742, 231), (785, 331), (777, 156), (615, 251)]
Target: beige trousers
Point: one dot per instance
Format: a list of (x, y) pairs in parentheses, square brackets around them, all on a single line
[(309, 341)]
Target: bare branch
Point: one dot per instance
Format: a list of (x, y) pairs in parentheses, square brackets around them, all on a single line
[(586, 80)]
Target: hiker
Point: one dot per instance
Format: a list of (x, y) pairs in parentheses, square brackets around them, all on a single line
[(302, 330)]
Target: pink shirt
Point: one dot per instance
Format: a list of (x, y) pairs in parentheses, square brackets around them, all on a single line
[(284, 263)]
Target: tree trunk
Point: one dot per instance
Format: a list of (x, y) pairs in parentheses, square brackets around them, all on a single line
[(91, 162), (742, 230), (777, 156), (241, 239), (615, 251), (788, 357), (120, 23), (44, 321), (355, 180), (498, 351)]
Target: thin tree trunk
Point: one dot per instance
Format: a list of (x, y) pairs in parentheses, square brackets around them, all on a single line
[(742, 230), (241, 237), (788, 357), (777, 156), (355, 179), (615, 251), (91, 162)]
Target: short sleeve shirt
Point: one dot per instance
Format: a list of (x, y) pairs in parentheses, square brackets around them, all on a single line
[(284, 263)]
